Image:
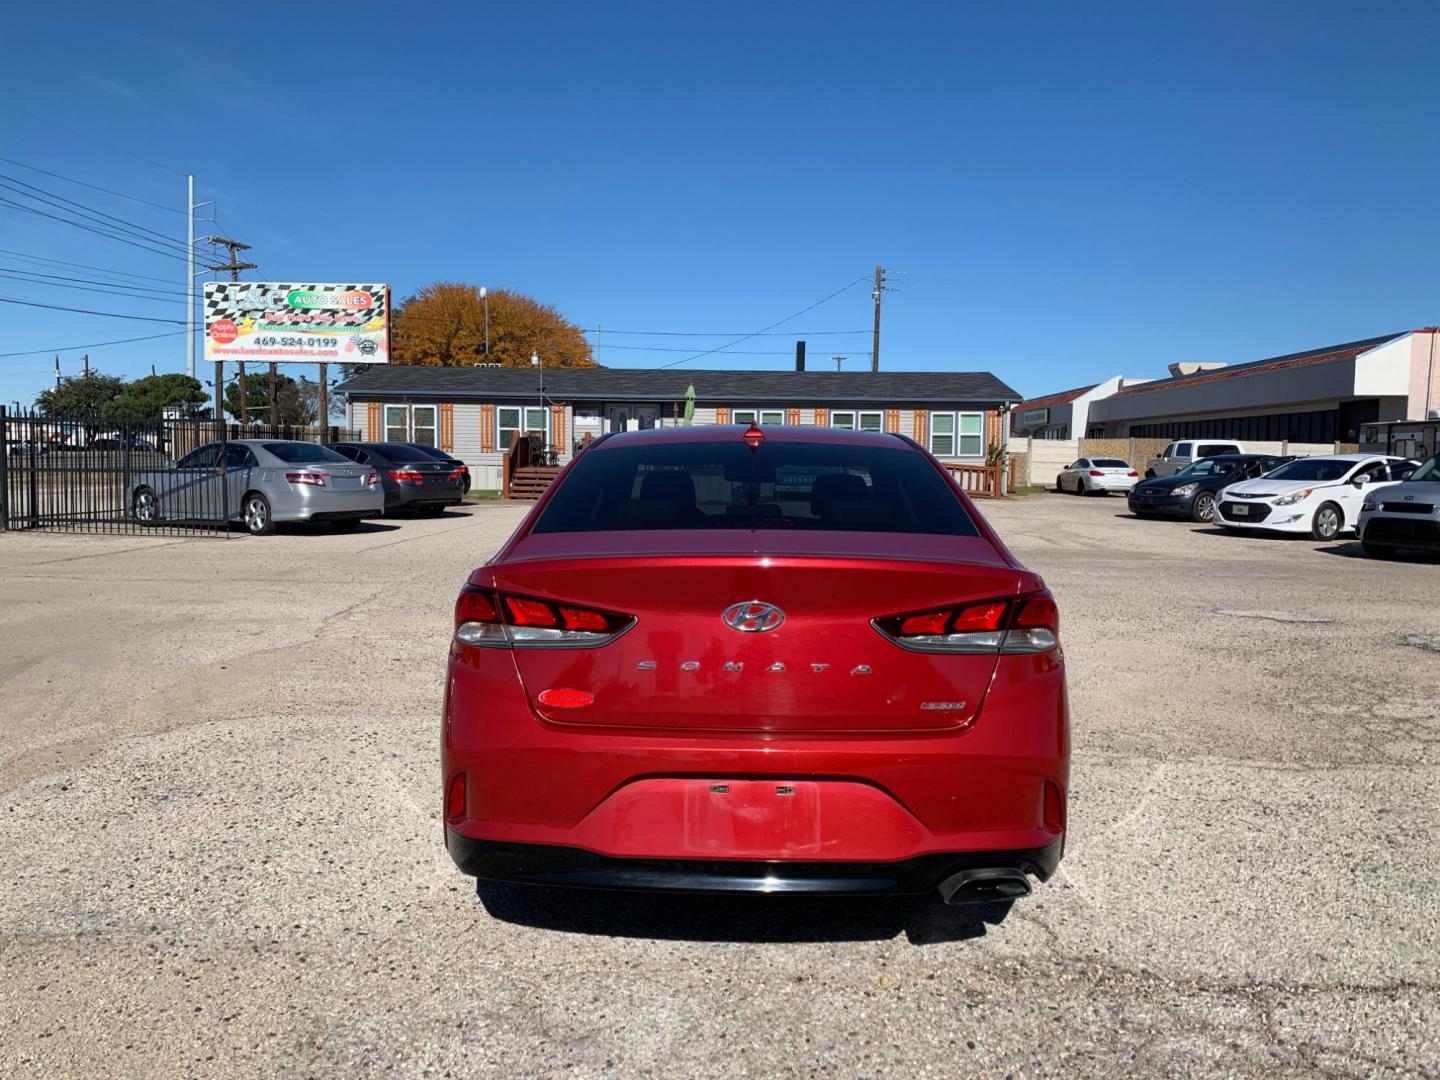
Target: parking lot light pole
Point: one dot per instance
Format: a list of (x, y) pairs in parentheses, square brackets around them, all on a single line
[(535, 362), (485, 299)]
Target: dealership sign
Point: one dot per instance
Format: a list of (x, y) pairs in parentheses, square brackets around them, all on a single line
[(297, 324), (1033, 418)]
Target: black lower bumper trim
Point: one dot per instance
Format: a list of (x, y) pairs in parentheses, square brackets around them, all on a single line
[(545, 864)]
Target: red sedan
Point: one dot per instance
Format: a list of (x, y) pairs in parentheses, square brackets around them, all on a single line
[(790, 660)]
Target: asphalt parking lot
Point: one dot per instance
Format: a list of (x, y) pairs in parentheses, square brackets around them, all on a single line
[(220, 841)]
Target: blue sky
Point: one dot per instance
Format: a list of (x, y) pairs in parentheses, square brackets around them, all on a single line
[(1067, 191)]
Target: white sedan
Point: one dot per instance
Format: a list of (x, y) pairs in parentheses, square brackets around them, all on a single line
[(1100, 475), (1317, 495)]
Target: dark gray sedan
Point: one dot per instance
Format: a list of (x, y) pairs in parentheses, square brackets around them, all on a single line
[(411, 479)]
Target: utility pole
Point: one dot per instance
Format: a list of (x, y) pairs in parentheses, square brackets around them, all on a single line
[(86, 362), (875, 295), (838, 361), (57, 369), (190, 279), (233, 267)]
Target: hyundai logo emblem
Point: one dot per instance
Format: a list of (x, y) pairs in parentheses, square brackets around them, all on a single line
[(752, 616)]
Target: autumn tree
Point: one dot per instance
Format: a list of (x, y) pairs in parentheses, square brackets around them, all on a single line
[(444, 325)]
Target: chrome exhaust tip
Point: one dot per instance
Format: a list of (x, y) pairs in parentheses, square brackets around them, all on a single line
[(985, 885)]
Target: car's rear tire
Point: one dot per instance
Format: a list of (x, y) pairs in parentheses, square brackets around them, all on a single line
[(344, 524), (145, 506), (1202, 509), (256, 514), (1327, 522), (1379, 551)]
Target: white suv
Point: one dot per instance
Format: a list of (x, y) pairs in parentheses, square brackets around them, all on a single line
[(1182, 452)]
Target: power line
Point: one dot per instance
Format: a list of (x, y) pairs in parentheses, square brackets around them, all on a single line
[(33, 276), (93, 344), (82, 266), (94, 187), (730, 333), (731, 352), (87, 311), (763, 329), (91, 228), (52, 199)]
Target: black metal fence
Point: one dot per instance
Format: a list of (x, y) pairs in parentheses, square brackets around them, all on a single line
[(125, 476)]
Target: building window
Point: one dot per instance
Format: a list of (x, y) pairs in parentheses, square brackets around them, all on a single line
[(412, 424), (507, 423), (763, 417), (397, 423), (854, 420), (957, 434)]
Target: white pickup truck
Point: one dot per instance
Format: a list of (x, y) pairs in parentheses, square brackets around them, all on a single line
[(1183, 451)]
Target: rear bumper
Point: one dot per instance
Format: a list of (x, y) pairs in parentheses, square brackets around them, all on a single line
[(327, 505), (428, 494), (540, 864), (757, 797)]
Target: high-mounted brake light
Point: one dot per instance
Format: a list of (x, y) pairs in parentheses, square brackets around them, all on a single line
[(311, 479), (486, 618), (753, 436), (1027, 624)]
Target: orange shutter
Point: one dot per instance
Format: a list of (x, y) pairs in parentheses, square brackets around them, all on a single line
[(992, 428), (892, 421), (792, 417), (722, 416), (921, 420), (557, 428), (487, 429), (822, 417), (372, 422), (447, 428)]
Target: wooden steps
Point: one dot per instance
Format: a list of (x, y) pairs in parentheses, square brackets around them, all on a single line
[(530, 481)]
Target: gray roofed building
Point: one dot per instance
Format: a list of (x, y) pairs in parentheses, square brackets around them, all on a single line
[(638, 384), (478, 413)]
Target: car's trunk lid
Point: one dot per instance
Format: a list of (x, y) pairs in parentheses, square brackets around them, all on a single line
[(825, 668)]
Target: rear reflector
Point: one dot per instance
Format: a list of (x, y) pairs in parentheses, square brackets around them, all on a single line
[(1027, 624), (485, 618), (455, 797), (1054, 808)]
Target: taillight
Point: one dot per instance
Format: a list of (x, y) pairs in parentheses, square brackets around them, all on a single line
[(1132, 472), (455, 474), (405, 475), (312, 479), (372, 479), (1027, 624), (1096, 472), (486, 618)]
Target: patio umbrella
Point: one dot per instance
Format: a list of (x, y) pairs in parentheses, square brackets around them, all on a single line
[(689, 404)]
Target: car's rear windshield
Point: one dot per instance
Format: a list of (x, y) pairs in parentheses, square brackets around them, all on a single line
[(427, 453), (399, 451), (303, 453), (781, 485), (1312, 469), (1108, 463)]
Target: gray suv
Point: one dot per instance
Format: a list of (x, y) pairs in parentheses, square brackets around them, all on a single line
[(1403, 516), (1184, 452)]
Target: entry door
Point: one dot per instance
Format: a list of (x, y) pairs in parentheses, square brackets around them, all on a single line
[(620, 416)]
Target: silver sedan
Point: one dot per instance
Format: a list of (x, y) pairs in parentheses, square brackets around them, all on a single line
[(259, 482)]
